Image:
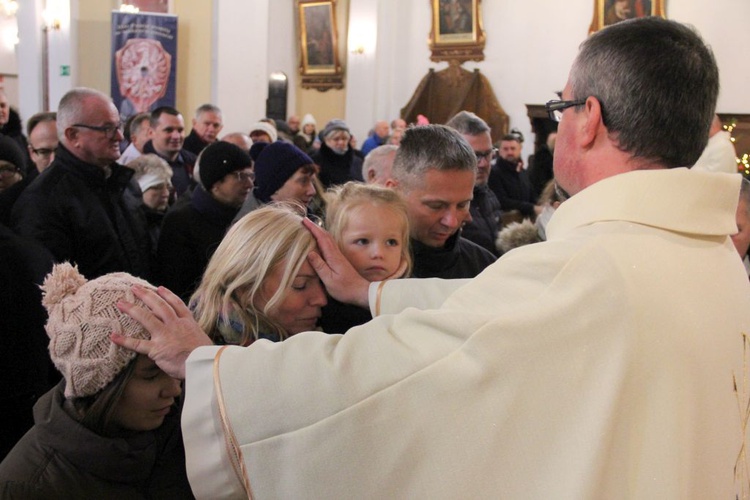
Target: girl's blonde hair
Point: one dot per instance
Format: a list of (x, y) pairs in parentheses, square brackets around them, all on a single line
[(342, 200), (253, 248)]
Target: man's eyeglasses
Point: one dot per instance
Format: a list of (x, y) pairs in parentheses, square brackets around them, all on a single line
[(555, 108), (244, 176), (43, 152), (109, 130), (486, 155)]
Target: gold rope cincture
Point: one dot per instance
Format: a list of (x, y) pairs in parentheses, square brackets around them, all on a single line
[(377, 298), (230, 440)]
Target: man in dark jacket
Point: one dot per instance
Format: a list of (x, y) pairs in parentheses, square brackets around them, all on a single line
[(192, 230), (510, 181), (168, 132), (12, 126), (485, 208), (206, 127), (434, 170), (75, 208)]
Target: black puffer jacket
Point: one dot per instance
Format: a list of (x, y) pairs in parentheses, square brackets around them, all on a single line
[(458, 258), (60, 458), (79, 215)]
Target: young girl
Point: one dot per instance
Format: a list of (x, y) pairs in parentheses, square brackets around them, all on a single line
[(111, 428), (371, 226), (258, 284)]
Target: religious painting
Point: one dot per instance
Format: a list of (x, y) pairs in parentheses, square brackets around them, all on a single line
[(319, 49), (457, 32), (608, 12), (160, 6)]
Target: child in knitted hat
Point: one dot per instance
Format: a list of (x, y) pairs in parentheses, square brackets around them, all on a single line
[(110, 428)]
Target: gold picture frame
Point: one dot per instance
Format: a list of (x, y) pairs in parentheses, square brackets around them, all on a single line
[(457, 32), (607, 12), (319, 48)]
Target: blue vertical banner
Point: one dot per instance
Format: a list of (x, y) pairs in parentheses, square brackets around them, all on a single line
[(144, 62)]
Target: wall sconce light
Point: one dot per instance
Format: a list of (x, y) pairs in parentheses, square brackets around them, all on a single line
[(363, 38), (8, 8), (51, 23), (55, 14)]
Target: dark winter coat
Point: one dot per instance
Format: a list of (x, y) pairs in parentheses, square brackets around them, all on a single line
[(512, 188), (60, 458), (485, 224), (79, 215), (182, 168), (190, 233), (337, 169), (458, 258), (194, 143)]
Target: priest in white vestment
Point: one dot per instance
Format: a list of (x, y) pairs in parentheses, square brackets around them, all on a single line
[(607, 362)]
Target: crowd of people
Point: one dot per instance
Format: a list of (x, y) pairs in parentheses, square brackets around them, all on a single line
[(352, 322)]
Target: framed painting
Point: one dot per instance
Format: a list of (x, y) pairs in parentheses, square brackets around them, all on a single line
[(319, 48), (457, 32), (608, 12), (159, 6)]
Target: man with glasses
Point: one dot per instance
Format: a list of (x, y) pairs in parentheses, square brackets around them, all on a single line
[(76, 209), (42, 131), (484, 225), (191, 231), (41, 149), (610, 361)]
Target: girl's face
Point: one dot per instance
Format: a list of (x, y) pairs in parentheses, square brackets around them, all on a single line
[(309, 129), (372, 241), (147, 398), (300, 307)]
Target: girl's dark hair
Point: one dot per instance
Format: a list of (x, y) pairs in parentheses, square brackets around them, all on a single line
[(95, 412)]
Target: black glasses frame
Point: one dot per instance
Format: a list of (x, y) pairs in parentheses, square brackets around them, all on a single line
[(556, 107), (43, 152), (487, 155), (109, 130)]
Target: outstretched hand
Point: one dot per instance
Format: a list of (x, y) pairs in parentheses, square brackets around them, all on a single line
[(341, 280), (174, 331)]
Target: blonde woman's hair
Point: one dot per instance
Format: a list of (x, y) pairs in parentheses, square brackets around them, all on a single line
[(253, 248), (342, 200)]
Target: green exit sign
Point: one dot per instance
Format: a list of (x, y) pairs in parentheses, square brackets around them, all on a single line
[(65, 70)]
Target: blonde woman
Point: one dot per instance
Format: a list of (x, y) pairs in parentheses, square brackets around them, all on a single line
[(258, 284)]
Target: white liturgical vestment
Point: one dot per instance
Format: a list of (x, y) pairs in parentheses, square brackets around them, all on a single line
[(600, 364)]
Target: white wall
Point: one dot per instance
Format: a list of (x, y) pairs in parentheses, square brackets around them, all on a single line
[(29, 55), (282, 49), (530, 46), (242, 65)]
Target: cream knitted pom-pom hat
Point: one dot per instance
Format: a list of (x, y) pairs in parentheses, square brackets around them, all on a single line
[(82, 316)]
